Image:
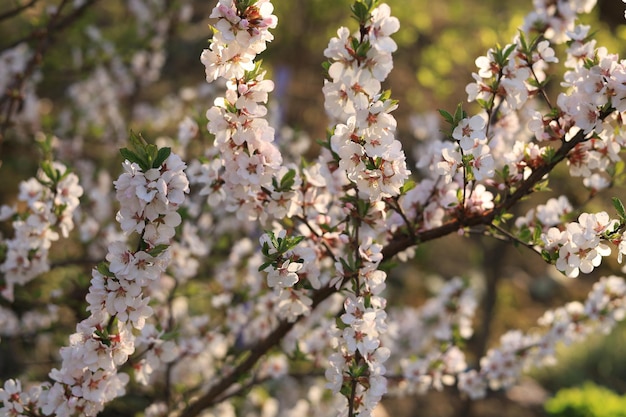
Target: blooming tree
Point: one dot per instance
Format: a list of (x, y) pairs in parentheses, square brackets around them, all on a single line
[(297, 252)]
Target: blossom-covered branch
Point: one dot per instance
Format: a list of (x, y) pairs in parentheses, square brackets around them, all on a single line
[(150, 191), (247, 264)]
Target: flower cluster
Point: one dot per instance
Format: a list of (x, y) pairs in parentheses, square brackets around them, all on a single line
[(314, 294), (285, 265), (15, 401), (30, 322), (433, 334), (241, 33), (356, 366), (118, 304), (555, 19), (50, 201), (155, 352), (243, 138), (582, 244), (13, 62), (364, 139), (502, 366), (149, 199), (594, 102)]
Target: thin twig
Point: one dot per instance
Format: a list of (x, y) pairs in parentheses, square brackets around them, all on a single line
[(509, 237)]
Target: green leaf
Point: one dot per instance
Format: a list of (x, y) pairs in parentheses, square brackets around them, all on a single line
[(340, 324), (137, 141), (537, 233), (346, 389), (288, 180), (151, 151), (447, 116), (50, 172), (363, 49), (548, 154), (103, 337), (162, 155), (326, 67), (385, 95), (407, 186), (296, 240), (157, 250), (242, 5), (459, 114), (619, 206), (254, 73), (131, 156), (525, 234), (103, 268), (264, 266), (172, 335), (507, 53), (360, 11)]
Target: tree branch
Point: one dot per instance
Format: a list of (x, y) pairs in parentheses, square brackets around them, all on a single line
[(260, 349), (19, 9), (402, 241), (399, 242), (56, 23)]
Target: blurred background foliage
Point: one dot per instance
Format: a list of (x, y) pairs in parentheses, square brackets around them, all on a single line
[(437, 45)]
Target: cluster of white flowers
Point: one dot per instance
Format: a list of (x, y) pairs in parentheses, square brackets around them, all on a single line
[(507, 78), (356, 365), (149, 200), (27, 323), (316, 289), (88, 376), (283, 275), (432, 335), (546, 215), (582, 244), (364, 139), (555, 18), (594, 103), (359, 364), (480, 145), (471, 136), (368, 155), (99, 97), (248, 159), (13, 61), (15, 401), (502, 366), (50, 201), (155, 353)]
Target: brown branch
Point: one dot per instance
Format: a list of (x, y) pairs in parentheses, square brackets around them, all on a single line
[(19, 9), (46, 39), (259, 350), (399, 242), (402, 241), (53, 25)]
